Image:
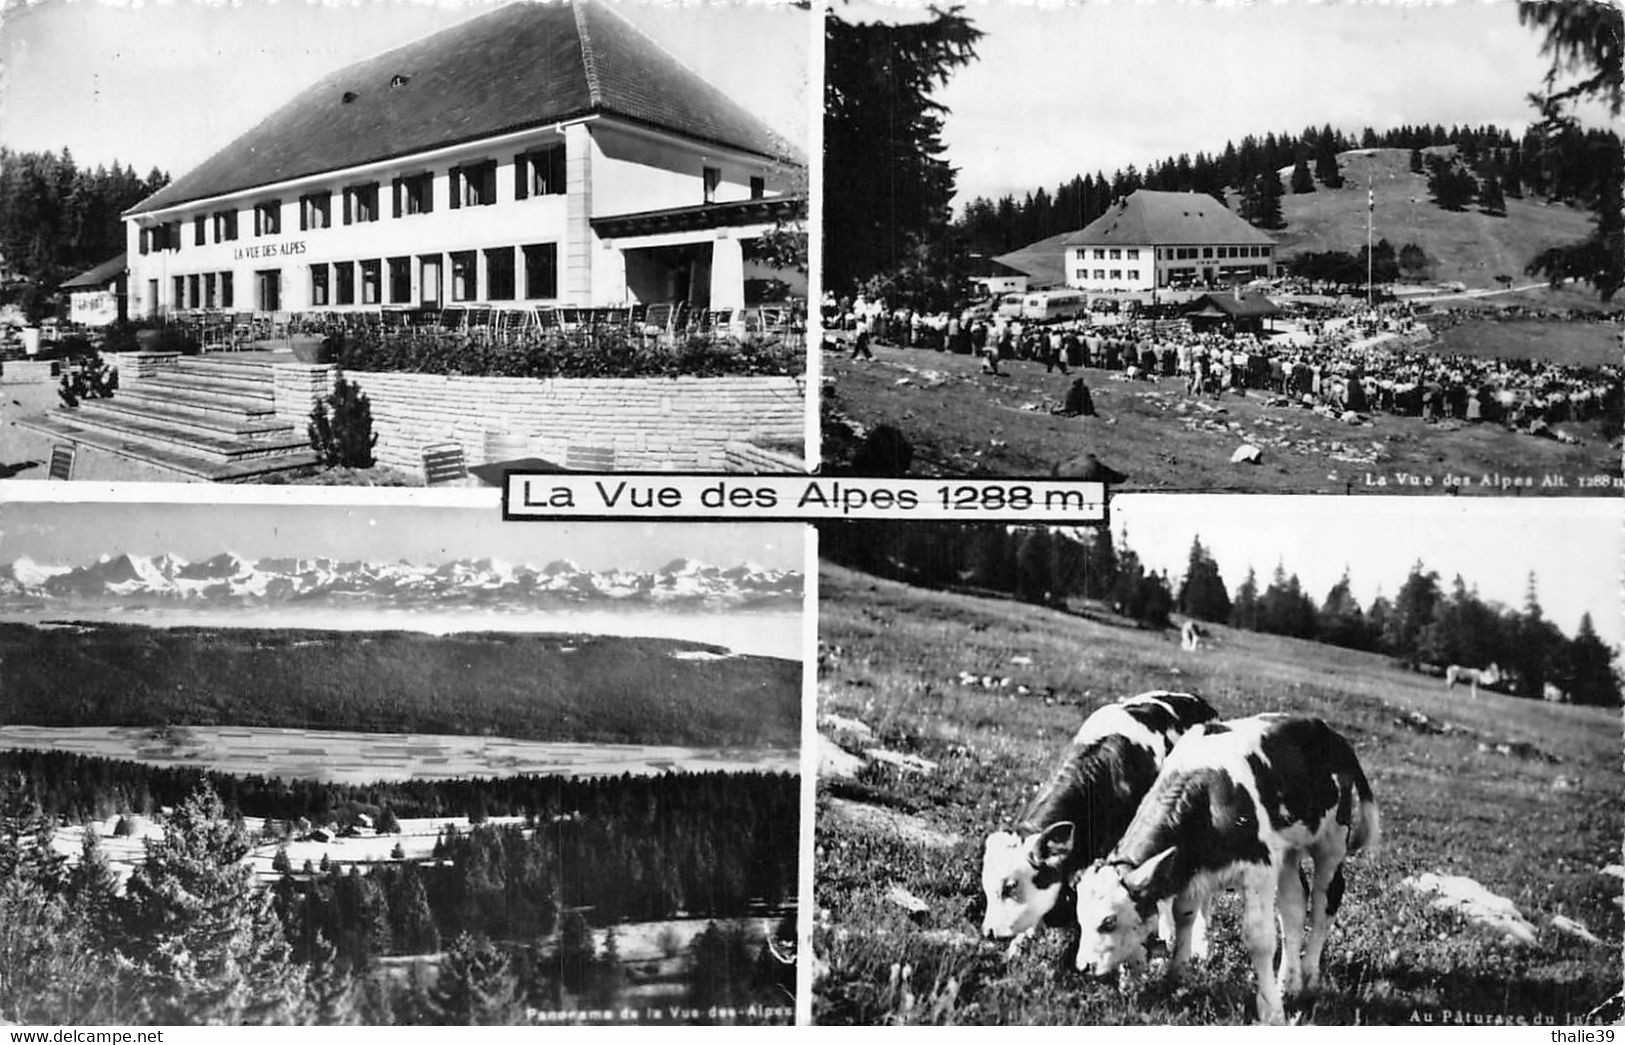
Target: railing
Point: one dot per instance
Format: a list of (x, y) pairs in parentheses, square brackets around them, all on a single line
[(662, 324)]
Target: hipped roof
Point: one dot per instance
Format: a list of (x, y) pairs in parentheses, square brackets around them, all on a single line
[(521, 66), (1149, 217)]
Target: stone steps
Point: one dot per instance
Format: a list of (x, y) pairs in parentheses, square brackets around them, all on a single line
[(206, 418), (224, 425), (170, 456)]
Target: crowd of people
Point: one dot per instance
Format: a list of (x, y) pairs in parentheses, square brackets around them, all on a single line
[(1348, 358)]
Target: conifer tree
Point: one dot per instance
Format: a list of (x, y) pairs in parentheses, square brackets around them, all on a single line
[(204, 944)]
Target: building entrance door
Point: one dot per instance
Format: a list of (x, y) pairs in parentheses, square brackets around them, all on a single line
[(429, 281)]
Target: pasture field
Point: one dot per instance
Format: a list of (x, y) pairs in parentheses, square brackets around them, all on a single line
[(334, 756), (1572, 344), (544, 687), (903, 811), (963, 423)]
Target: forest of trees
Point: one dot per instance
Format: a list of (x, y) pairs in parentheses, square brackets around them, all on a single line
[(1562, 165), (192, 939), (58, 219), (501, 684), (1422, 625)]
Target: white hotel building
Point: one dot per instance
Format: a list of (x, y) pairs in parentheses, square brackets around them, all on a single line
[(1154, 239), (540, 154)]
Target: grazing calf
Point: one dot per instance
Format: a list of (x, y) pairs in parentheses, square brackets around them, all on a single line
[(1475, 677), (1082, 808), (1191, 636), (1240, 801)]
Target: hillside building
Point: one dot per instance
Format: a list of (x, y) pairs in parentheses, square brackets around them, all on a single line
[(540, 154), (1158, 239)]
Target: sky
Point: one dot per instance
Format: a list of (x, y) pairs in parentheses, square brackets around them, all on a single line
[(1574, 546), (1067, 89), (70, 533), (167, 84)]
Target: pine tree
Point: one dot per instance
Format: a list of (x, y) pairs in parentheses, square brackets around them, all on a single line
[(1302, 180), (1490, 198), (1416, 161), (204, 943), (332, 996), (476, 986), (1592, 665), (1244, 611), (1202, 593)]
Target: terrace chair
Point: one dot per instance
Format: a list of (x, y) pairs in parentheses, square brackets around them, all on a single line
[(443, 464), (62, 458), (242, 329), (589, 458)]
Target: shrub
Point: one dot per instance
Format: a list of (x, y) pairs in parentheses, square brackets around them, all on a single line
[(600, 353), (344, 438)]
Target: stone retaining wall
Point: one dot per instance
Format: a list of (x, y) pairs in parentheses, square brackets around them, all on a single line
[(134, 366), (651, 424)]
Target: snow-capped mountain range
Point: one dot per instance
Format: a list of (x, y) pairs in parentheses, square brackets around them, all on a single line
[(229, 580)]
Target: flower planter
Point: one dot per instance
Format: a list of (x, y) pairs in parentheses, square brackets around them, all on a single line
[(311, 348)]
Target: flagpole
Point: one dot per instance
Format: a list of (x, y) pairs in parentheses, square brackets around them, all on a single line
[(1370, 212)]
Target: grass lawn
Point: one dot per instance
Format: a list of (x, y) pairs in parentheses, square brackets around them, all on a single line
[(960, 422), (1538, 829)]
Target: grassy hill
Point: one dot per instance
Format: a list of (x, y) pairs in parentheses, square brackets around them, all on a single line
[(1467, 245), (1537, 825)]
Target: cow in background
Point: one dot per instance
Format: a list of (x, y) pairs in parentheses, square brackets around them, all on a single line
[(1474, 677)]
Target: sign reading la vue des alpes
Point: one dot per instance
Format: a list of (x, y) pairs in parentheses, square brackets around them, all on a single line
[(269, 250)]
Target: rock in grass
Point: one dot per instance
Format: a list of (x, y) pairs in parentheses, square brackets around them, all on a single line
[(1475, 903), (1573, 928)]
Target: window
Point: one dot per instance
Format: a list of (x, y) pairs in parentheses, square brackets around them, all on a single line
[(344, 283), (465, 276), (141, 237), (361, 203), (499, 274), (1133, 273), (1082, 274), (1100, 254), (315, 210), (1100, 273), (225, 225), (474, 184), (758, 188), (400, 280), (269, 282), (210, 295), (713, 178), (268, 218), (194, 292), (370, 282), (1117, 255), (199, 230), (542, 270), (539, 173), (1117, 273), (1207, 252), (414, 194), (318, 285), (178, 299), (1134, 255), (226, 295)]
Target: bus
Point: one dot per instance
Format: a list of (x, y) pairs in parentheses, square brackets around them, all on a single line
[(1045, 305)]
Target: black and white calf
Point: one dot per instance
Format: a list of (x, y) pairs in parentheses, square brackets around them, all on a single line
[(1236, 802), (1083, 807)]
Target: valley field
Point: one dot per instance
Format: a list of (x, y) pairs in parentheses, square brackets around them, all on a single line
[(1525, 798)]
